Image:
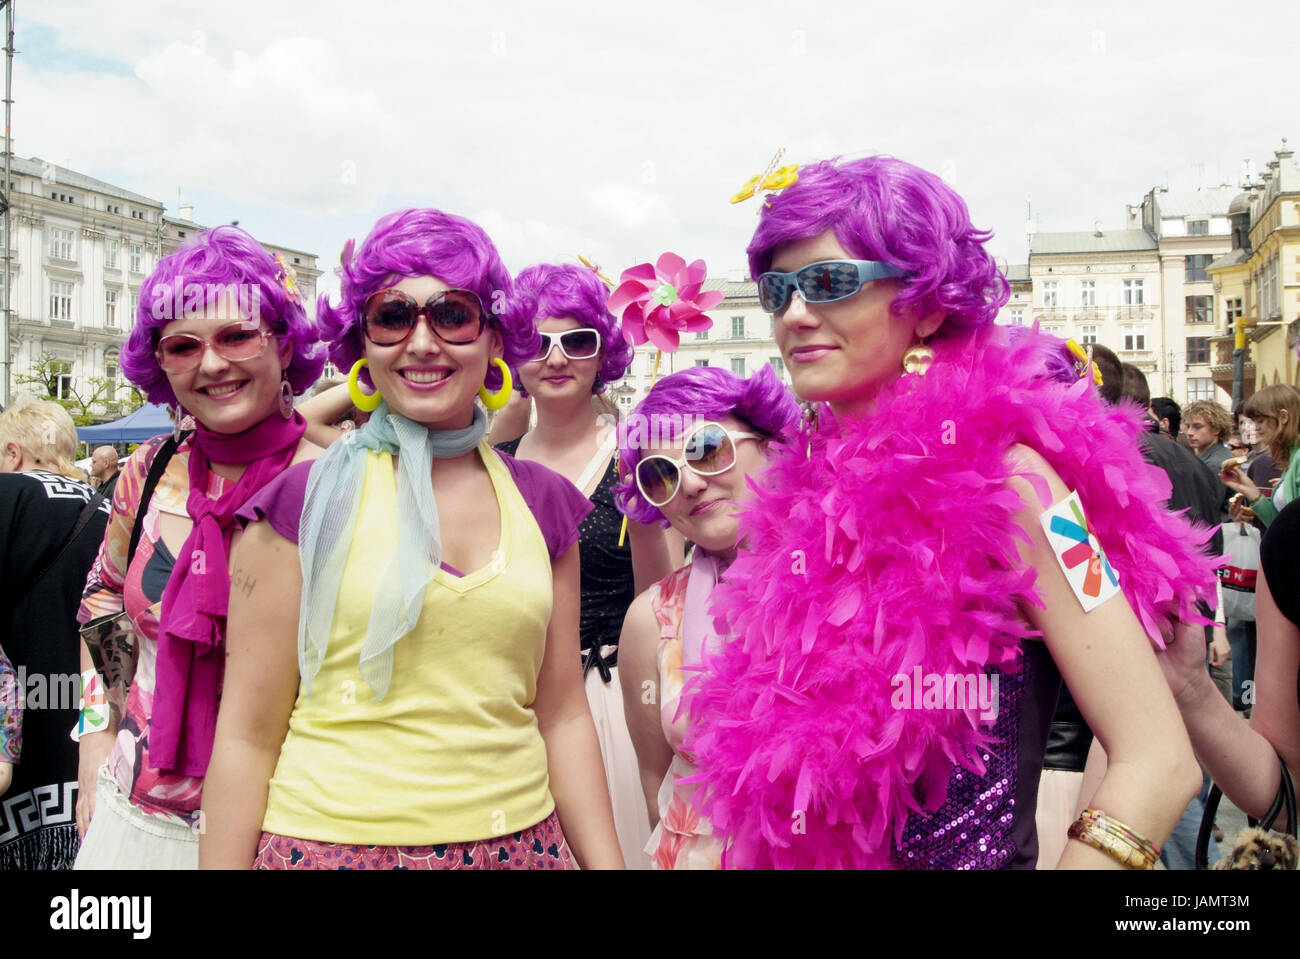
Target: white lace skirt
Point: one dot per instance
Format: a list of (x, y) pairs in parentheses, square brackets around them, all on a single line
[(121, 836)]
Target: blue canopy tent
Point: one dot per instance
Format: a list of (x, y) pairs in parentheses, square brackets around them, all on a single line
[(149, 420)]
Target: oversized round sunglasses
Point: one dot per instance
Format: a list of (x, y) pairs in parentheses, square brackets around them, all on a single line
[(238, 341), (455, 316), (822, 282), (580, 344), (708, 450)]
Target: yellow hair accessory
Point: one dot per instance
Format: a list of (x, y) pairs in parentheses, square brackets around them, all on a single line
[(595, 269), (770, 180), (288, 279), (1085, 360)]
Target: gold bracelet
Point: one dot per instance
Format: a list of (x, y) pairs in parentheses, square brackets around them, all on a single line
[(1128, 848)]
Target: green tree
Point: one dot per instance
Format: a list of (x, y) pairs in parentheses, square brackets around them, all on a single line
[(51, 378)]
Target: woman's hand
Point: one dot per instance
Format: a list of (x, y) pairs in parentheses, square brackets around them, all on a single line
[(7, 778), (1183, 661), (1220, 650), (1238, 481), (92, 753), (1239, 512)]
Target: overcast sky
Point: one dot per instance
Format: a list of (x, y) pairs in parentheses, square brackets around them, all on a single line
[(620, 130)]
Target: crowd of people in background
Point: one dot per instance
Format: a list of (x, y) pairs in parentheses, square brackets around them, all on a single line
[(444, 612)]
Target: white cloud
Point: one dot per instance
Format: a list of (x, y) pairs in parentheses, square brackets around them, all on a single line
[(621, 131)]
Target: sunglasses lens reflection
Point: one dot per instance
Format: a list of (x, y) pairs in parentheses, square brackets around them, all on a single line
[(772, 291), (581, 344), (658, 479), (709, 450), (457, 313)]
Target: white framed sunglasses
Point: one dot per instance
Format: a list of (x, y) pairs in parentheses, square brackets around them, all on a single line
[(708, 450), (579, 344)]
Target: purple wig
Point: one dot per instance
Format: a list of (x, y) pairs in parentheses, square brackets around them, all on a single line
[(223, 260), (422, 243), (887, 210), (557, 290), (710, 393)]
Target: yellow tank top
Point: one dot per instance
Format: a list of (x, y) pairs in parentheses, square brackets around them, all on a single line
[(453, 752)]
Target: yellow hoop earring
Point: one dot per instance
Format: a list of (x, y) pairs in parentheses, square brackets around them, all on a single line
[(365, 402), (495, 401)]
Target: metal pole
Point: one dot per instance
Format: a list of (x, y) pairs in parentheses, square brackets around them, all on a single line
[(7, 313), (1238, 364)]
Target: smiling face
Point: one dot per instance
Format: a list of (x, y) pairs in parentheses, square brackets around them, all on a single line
[(557, 377), (843, 352), (705, 507), (228, 396), (424, 379)]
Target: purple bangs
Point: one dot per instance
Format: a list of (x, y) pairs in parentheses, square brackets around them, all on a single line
[(548, 291), (423, 243), (703, 392), (884, 209), (223, 260)]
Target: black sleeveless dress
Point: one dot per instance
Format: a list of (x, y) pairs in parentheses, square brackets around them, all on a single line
[(607, 584)]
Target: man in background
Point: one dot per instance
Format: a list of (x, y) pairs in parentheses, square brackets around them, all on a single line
[(103, 470), (1168, 415)]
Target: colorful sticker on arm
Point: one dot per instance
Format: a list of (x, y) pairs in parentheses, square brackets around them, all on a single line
[(1082, 559), (94, 714)]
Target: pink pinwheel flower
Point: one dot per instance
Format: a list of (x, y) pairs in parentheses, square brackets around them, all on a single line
[(659, 301)]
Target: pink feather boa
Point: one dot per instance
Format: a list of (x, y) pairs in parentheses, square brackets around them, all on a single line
[(893, 545)]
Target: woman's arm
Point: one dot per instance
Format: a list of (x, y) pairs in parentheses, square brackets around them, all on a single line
[(638, 670), (574, 766), (323, 410), (92, 753), (257, 699), (1107, 661), (511, 422), (1242, 758), (656, 552)]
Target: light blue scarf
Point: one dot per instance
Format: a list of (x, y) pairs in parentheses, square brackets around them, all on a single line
[(328, 523)]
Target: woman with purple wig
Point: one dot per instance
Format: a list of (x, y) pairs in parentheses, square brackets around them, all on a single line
[(220, 336), (915, 585), (421, 706), (582, 350), (700, 439)]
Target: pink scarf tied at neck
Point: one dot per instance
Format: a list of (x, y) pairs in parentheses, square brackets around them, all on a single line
[(192, 624)]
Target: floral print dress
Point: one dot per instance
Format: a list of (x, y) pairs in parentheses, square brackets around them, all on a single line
[(682, 839)]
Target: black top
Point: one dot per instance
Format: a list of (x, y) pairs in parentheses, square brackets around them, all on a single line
[(1194, 486), (106, 487), (39, 634), (1279, 558), (607, 584)]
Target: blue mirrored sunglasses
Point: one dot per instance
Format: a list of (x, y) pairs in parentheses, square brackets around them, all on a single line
[(822, 282)]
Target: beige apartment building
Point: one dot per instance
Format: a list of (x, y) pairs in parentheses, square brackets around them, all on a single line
[(79, 250), (1144, 291)]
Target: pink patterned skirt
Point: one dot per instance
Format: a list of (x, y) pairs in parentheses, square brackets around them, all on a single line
[(538, 847)]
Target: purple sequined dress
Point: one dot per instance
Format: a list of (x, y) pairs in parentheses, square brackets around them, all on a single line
[(987, 822)]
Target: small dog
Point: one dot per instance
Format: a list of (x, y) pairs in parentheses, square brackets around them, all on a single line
[(1258, 849)]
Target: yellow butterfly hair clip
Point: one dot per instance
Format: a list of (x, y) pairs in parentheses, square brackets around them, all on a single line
[(770, 180), (288, 279), (1084, 361), (595, 269)]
